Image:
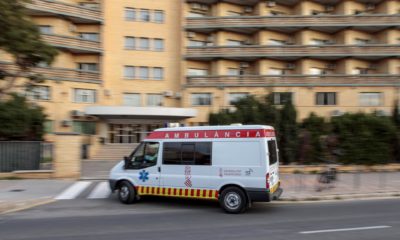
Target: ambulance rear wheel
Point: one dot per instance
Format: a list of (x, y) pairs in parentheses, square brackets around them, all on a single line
[(233, 200), (126, 192)]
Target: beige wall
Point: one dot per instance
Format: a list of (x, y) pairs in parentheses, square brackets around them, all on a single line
[(115, 28), (307, 8), (305, 37)]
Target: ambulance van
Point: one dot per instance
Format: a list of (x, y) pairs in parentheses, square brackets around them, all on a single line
[(235, 165)]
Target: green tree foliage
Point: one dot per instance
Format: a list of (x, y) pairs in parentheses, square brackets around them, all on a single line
[(20, 120), (251, 110), (21, 38), (288, 133), (365, 138), (396, 114), (314, 130)]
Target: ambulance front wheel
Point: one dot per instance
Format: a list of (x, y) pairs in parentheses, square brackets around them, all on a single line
[(233, 200), (126, 192)]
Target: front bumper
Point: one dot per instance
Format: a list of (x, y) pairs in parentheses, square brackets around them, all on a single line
[(113, 184)]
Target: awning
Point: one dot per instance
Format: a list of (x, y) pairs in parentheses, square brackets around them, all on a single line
[(123, 112)]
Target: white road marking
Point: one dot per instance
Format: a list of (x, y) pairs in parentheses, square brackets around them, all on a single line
[(102, 190), (73, 191), (344, 229)]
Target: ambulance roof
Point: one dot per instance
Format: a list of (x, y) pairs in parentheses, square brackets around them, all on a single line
[(225, 127)]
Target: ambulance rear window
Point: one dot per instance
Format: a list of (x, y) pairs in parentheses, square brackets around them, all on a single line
[(273, 156), (187, 153)]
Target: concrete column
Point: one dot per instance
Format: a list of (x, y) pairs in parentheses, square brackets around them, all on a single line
[(67, 155)]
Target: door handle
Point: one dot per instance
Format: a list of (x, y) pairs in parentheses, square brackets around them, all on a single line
[(159, 169)]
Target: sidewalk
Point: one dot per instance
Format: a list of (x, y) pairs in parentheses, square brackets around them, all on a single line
[(21, 194), (303, 187)]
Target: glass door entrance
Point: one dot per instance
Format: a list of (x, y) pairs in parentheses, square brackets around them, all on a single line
[(129, 133), (124, 133)]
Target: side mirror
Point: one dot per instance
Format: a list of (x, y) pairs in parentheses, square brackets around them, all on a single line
[(126, 162)]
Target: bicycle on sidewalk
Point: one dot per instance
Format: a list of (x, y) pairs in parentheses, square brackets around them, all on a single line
[(326, 179)]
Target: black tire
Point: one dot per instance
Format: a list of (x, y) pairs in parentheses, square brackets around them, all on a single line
[(233, 200), (126, 192)]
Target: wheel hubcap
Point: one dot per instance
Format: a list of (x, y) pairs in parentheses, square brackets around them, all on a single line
[(124, 192), (232, 200)]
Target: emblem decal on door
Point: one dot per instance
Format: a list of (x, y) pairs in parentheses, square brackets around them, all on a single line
[(188, 176), (144, 176)]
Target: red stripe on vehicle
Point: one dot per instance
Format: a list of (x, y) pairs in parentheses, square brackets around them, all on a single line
[(193, 134)]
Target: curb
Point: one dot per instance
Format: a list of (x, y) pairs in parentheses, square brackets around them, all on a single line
[(24, 205), (339, 197)]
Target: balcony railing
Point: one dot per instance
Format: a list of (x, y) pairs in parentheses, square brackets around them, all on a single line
[(373, 20), (74, 12), (294, 80), (73, 44), (253, 51), (58, 74)]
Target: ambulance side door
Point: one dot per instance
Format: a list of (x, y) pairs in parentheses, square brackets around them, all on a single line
[(186, 164)]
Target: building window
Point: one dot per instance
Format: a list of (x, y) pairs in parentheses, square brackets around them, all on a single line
[(90, 5), (317, 71), (45, 29), (89, 36), (158, 73), (131, 99), (88, 67), (275, 42), (144, 44), (197, 72), (144, 72), (158, 16), (230, 42), (48, 126), (357, 71), (201, 99), (235, 97), (326, 98), (281, 98), (233, 14), (361, 41), (196, 15), (84, 95), (129, 72), (158, 44), (196, 43), (154, 100), (84, 127), (276, 71), (318, 42), (130, 14), (130, 42), (233, 72), (371, 98), (145, 15), (39, 93)]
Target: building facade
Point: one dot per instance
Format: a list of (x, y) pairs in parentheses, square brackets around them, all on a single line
[(126, 67)]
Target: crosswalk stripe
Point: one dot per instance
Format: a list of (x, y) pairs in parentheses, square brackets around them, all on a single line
[(102, 190), (73, 191)]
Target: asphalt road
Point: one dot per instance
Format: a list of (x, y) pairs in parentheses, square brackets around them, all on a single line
[(188, 219)]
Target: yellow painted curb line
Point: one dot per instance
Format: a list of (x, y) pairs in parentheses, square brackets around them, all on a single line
[(29, 206)]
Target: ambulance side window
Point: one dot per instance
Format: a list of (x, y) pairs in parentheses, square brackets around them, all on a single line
[(187, 153), (272, 153)]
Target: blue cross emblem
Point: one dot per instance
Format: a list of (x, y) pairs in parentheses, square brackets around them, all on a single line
[(144, 176)]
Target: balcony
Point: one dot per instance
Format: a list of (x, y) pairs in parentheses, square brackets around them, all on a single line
[(58, 74), (72, 44), (326, 23), (294, 80), (74, 13), (293, 52)]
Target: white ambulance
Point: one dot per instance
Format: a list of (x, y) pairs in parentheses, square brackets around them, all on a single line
[(236, 165)]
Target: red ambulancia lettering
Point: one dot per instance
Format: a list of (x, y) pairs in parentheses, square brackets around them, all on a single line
[(252, 133)]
